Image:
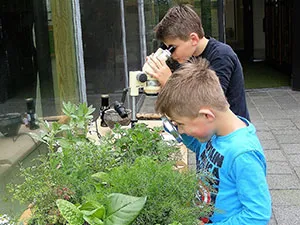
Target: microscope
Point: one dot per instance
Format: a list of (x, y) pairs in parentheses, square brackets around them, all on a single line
[(141, 79)]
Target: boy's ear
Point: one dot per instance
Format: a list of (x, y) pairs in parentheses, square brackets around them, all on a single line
[(207, 113), (194, 38)]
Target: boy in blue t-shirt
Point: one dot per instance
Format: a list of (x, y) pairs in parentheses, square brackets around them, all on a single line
[(226, 145)]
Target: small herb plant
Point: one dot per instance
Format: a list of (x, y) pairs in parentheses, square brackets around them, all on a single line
[(170, 194)]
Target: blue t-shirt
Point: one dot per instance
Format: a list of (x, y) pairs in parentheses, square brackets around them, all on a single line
[(238, 165)]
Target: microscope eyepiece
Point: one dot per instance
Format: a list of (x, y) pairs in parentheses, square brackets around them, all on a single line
[(171, 48)]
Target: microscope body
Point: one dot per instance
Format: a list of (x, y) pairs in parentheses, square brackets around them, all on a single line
[(152, 85)]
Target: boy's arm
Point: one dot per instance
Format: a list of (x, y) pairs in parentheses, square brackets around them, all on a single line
[(248, 171), (223, 65), (190, 142)]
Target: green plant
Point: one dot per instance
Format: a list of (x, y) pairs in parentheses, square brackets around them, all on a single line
[(120, 210), (170, 194), (65, 172)]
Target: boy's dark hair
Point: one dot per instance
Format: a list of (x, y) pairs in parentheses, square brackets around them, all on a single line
[(179, 22), (189, 88)]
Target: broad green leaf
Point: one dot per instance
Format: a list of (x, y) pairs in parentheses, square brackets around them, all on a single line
[(93, 220), (123, 209), (98, 212), (90, 206), (93, 209), (70, 212)]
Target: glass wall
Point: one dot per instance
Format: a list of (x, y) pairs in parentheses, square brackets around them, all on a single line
[(103, 47), (25, 72), (25, 57), (234, 24), (156, 9)]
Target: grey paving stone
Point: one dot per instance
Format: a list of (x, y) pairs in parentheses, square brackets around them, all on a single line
[(297, 124), (283, 182), (278, 167), (255, 115), (272, 112), (293, 138), (291, 148), (285, 99), (279, 93), (287, 215), (269, 108), (265, 135), (295, 94), (269, 144), (275, 155), (264, 101), (294, 159), (296, 119), (286, 131), (285, 197), (272, 221), (250, 103), (292, 112), (260, 125), (280, 124), (257, 94), (294, 106), (297, 170)]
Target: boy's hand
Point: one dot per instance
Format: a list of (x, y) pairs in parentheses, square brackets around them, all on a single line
[(159, 69)]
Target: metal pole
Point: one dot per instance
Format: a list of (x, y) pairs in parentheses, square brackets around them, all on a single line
[(133, 118), (143, 45), (124, 47), (79, 51), (124, 42)]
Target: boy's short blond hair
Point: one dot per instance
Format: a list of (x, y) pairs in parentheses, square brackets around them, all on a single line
[(190, 88), (179, 22)]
